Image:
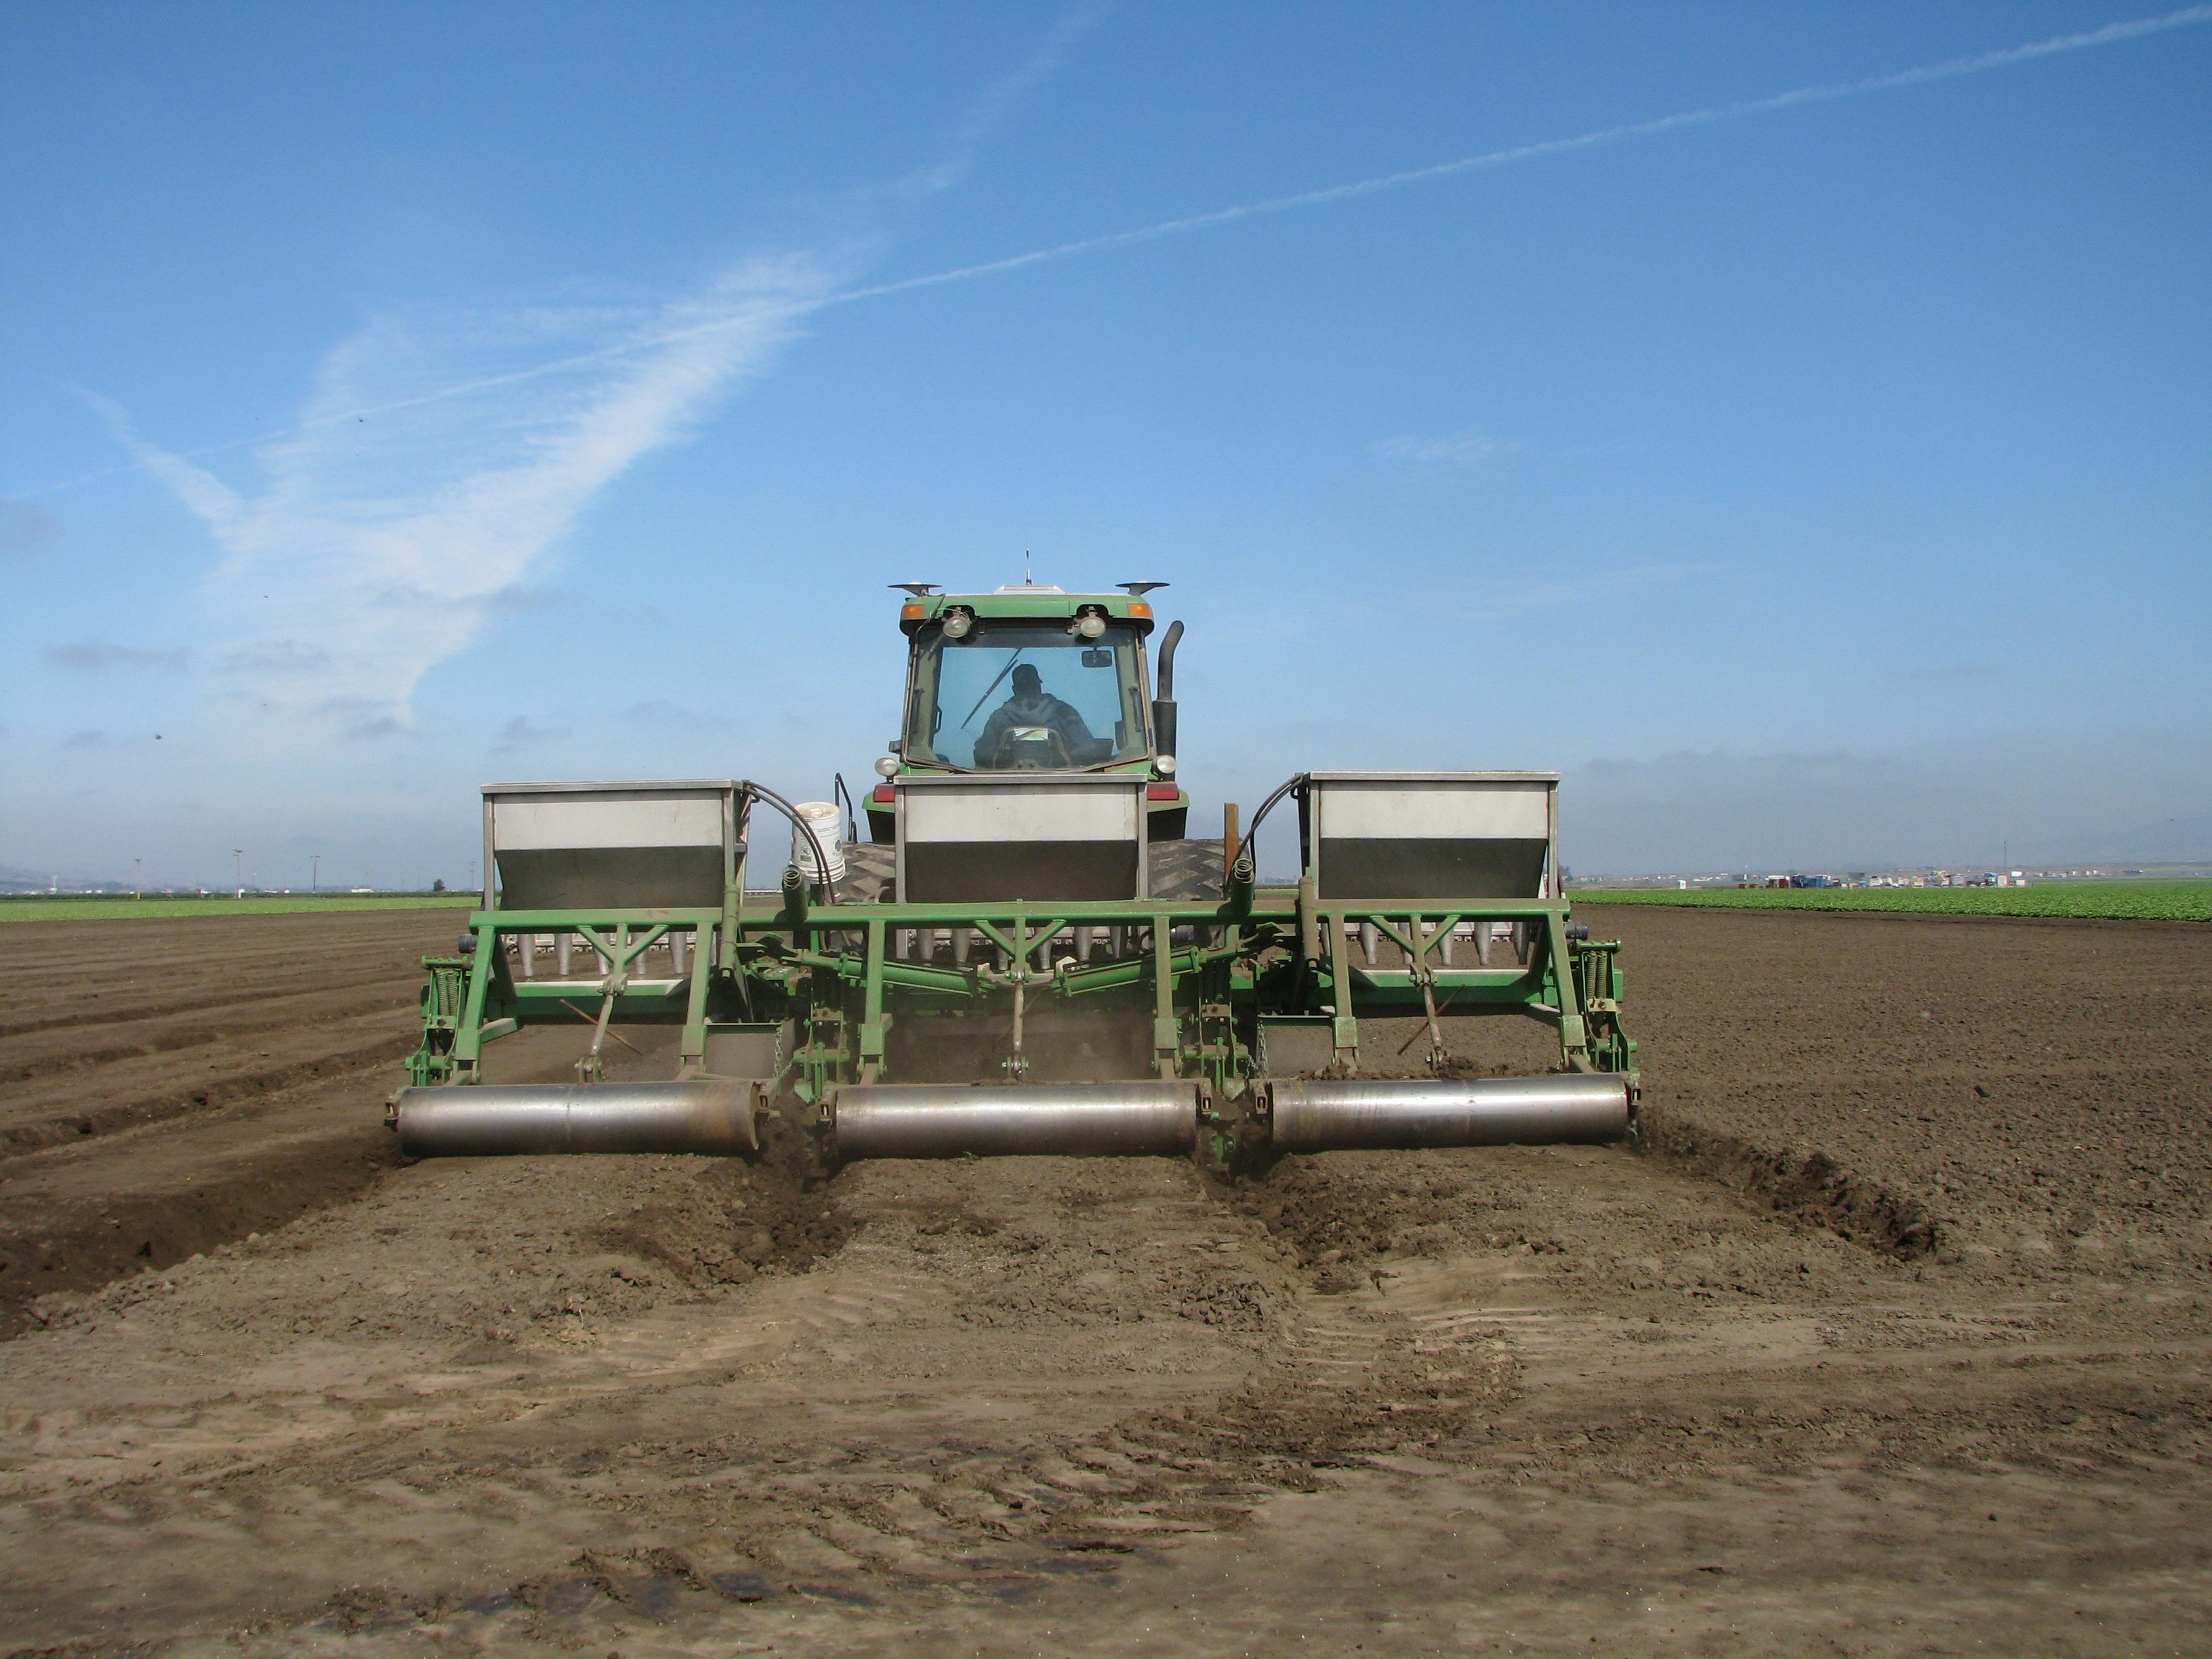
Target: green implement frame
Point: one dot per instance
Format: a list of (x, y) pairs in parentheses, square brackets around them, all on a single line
[(1048, 928), (828, 979)]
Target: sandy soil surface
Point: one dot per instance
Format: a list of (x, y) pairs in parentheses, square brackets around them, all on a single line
[(1892, 1340)]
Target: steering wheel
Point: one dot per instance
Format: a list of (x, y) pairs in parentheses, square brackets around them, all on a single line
[(1033, 749)]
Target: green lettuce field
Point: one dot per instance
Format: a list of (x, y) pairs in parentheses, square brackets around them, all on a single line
[(2116, 901), (40, 907)]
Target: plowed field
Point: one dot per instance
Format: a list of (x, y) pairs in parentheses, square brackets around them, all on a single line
[(1893, 1337)]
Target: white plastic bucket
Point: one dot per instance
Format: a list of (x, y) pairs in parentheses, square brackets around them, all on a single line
[(822, 815)]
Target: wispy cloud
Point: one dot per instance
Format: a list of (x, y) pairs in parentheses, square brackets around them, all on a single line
[(442, 454), (356, 719), (276, 656), (999, 99), (1496, 599), (528, 599), (99, 656), (674, 717), (1951, 68), (648, 341), (522, 731), (1470, 449), (1455, 590), (26, 528), (2119, 793), (377, 545), (1955, 673)]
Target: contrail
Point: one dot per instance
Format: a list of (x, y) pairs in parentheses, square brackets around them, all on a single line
[(1949, 69)]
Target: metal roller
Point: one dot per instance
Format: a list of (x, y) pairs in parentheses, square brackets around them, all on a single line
[(491, 1120), (1327, 1114), (943, 1121)]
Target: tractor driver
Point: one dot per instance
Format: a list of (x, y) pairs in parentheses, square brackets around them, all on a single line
[(1032, 705)]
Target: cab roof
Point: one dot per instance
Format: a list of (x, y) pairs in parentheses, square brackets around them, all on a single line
[(1036, 603)]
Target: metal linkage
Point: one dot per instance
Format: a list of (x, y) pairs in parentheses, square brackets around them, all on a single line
[(1279, 952), (444, 996)]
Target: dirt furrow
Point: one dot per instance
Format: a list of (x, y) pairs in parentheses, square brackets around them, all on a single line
[(1394, 1401), (149, 1094)]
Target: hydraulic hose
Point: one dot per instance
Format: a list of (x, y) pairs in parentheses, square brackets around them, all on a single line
[(1243, 849), (821, 858)]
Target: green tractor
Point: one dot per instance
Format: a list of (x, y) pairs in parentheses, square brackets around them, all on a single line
[(1031, 679), (1028, 954)]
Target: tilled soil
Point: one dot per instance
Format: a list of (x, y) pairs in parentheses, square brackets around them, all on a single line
[(167, 1085), (1892, 1340), (2020, 1095)]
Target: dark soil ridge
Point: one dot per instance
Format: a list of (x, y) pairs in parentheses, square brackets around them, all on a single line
[(280, 1025), (1333, 1229), (1337, 1228), (1809, 1187), (63, 1127), (740, 1215), (81, 1246), (246, 1006), (730, 1220)]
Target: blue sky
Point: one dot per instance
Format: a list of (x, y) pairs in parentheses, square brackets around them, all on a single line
[(398, 398)]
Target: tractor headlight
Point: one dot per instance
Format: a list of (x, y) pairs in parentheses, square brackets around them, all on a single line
[(1166, 763), (1090, 625), (887, 766), (957, 624)]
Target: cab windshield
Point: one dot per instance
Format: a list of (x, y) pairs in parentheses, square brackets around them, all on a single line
[(1025, 697)]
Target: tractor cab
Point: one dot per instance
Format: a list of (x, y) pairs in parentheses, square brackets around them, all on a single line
[(1032, 679)]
